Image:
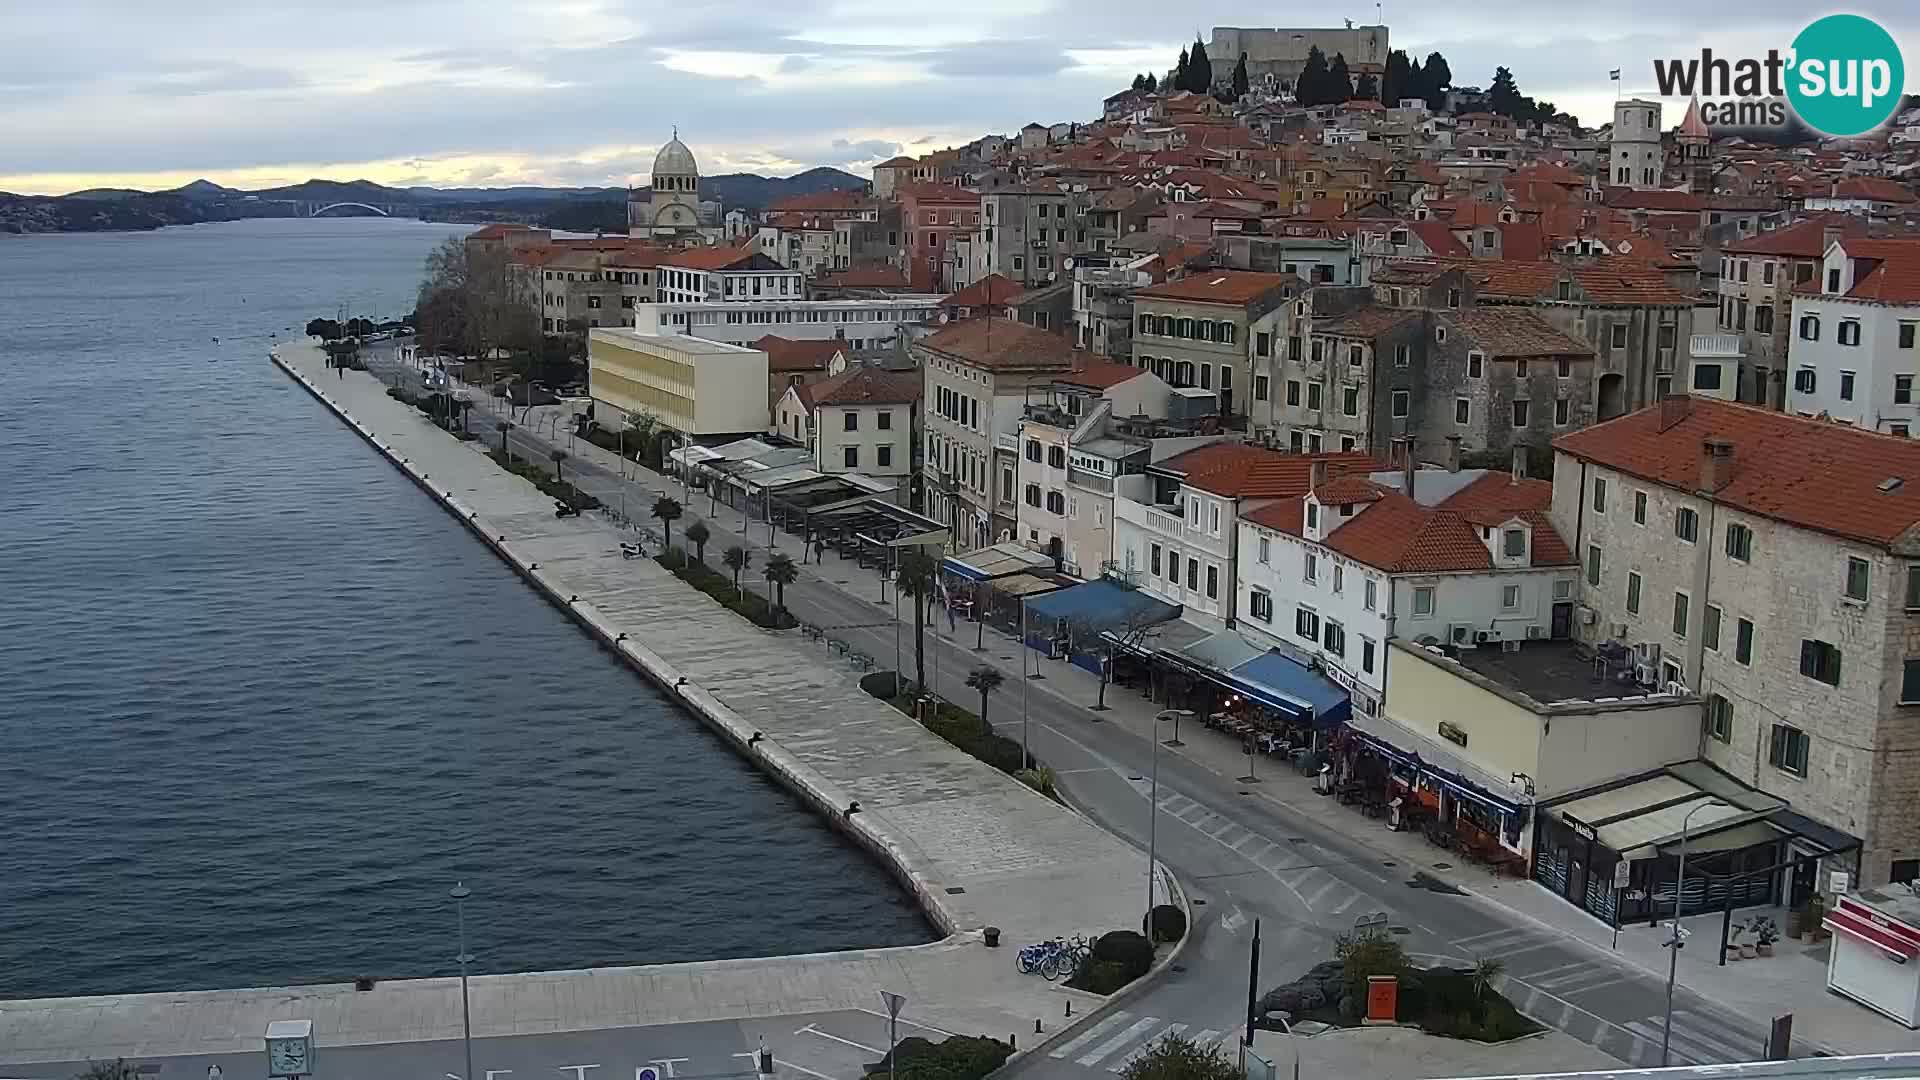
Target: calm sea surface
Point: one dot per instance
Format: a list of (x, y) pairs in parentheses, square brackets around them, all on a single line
[(262, 703)]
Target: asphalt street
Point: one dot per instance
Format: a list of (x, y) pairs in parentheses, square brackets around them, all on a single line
[(1240, 855)]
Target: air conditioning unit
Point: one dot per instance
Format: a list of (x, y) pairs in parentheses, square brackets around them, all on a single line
[(1536, 632), (1619, 631), (1646, 652), (1460, 634), (1486, 637), (1645, 674), (1586, 615)]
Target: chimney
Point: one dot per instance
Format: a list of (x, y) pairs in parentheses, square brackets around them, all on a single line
[(1828, 237), (1716, 464), (1673, 409), (1317, 474), (1519, 462), (1453, 453)]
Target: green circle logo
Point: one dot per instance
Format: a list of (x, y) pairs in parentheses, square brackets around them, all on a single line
[(1847, 77)]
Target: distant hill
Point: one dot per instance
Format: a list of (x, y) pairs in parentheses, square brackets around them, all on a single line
[(583, 209)]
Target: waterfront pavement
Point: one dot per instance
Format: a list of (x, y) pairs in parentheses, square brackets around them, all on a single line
[(978, 848), (1276, 850)]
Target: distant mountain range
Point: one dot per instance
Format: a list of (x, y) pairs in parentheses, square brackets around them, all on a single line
[(578, 209)]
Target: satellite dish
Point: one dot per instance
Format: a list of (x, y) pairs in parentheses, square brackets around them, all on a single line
[(943, 318), (1067, 262)]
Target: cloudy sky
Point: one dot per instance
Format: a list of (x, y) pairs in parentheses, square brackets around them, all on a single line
[(153, 93)]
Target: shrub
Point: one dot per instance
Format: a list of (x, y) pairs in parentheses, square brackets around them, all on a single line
[(1368, 952), (1169, 923), (720, 587), (960, 1057), (1041, 779), (1175, 1058), (1100, 977)]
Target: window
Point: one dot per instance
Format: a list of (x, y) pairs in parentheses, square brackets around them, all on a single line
[(1706, 376), (1520, 367), (1372, 593), (1356, 354), (1006, 485), (1681, 605), (1510, 597), (1193, 573), (1313, 397), (1306, 623), (1173, 567), (1710, 628), (1350, 401), (1686, 524), (885, 454), (1599, 495), (1593, 564), (852, 455), (1462, 410), (1476, 365), (1562, 412), (1763, 319), (1857, 579), (852, 421), (1366, 655), (1633, 593), (1402, 355), (1034, 453), (1259, 388), (1213, 582), (1033, 495), (1739, 542), (1453, 298), (1639, 508), (1905, 340), (1402, 403), (1618, 338), (1718, 719), (1913, 587), (1804, 381), (1809, 328), (1312, 571), (1514, 543), (1849, 332), (1788, 750), (1743, 641), (1260, 605), (1903, 389), (1900, 871), (1440, 334), (1520, 413), (1423, 600), (1057, 457), (1846, 386), (1293, 391), (884, 421), (1336, 638), (1056, 503), (1820, 660), (1263, 343)]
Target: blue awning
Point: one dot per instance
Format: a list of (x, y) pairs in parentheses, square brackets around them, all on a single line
[(1099, 602), (1280, 683)]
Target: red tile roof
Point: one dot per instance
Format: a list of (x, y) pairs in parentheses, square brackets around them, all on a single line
[(1803, 239), (1810, 473), (1400, 536), (1234, 287), (1514, 331), (1366, 323), (714, 258), (496, 231), (1438, 238), (867, 385), (1612, 282), (1002, 343), (1874, 188), (1100, 376), (1895, 279), (937, 193), (994, 290), (788, 355), (1675, 201), (1250, 472)]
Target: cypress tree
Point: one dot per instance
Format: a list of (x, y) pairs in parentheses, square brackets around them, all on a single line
[(1311, 88), (1339, 82), (1240, 85), (1199, 68)]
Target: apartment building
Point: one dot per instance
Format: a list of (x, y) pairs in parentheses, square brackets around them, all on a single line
[(1766, 562), (864, 420), (862, 325), (979, 375), (1467, 559), (932, 217), (693, 386), (1756, 283), (1103, 305), (1854, 356), (726, 275), (1027, 234), (1176, 525), (1201, 330)]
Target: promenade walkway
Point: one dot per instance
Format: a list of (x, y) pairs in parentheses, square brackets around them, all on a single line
[(978, 848)]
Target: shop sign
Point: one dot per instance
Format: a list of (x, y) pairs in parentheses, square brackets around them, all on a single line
[(1580, 828)]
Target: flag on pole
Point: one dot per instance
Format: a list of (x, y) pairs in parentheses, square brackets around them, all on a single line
[(1614, 74)]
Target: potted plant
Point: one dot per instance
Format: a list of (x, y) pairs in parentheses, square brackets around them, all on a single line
[(1734, 933), (1765, 933), (1748, 950)]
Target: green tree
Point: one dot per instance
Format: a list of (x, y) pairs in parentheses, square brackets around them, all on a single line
[(917, 574), (668, 510), (1177, 1058), (1436, 79), (737, 559), (985, 680), (1486, 971), (1180, 73), (1339, 80), (1199, 68), (780, 573), (1311, 89), (1240, 84), (1416, 83), (698, 534), (558, 457), (639, 434), (1367, 88), (1396, 84), (1139, 83), (1153, 83), (1503, 97)]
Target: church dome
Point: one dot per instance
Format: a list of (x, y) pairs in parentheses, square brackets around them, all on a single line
[(675, 159)]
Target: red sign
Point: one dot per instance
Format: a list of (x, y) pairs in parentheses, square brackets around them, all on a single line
[(1888, 925), (1383, 999), (1846, 922)]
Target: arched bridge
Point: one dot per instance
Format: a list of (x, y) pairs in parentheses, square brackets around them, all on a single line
[(383, 211)]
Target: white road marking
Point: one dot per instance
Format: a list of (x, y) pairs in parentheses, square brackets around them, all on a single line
[(1138, 1029), (1704, 1030), (1141, 1050), (804, 1069), (1089, 1035), (1206, 1039), (813, 1030), (910, 1023), (1352, 899), (1323, 890)]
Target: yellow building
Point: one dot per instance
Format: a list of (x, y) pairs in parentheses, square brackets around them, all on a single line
[(692, 385)]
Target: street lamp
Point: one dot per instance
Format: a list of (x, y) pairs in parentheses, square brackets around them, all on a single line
[(1291, 1040), (1673, 943), (460, 892), (1153, 809)]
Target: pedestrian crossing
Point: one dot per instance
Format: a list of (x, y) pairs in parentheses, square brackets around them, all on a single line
[(1299, 866), (1122, 1037)]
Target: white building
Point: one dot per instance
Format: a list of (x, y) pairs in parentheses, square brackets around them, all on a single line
[(1469, 560), (728, 275), (1635, 157), (1176, 526), (693, 386), (1769, 564), (1853, 354), (863, 324), (862, 420)]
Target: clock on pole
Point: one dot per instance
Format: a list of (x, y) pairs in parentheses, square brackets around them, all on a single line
[(290, 1048)]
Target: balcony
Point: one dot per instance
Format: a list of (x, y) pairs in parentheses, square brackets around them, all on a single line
[(1165, 521), (1717, 346)]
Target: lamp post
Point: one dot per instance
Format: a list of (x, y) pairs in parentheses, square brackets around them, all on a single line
[(1291, 1040), (460, 892), (1673, 943), (1153, 810)]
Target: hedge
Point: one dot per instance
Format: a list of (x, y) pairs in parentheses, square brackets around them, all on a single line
[(720, 586)]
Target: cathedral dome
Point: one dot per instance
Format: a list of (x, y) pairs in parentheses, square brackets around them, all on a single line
[(675, 159)]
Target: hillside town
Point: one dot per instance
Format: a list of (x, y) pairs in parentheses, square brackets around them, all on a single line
[(1571, 470)]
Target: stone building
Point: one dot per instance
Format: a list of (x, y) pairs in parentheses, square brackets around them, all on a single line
[(1200, 330), (672, 209), (1767, 563), (1281, 54), (1756, 282)]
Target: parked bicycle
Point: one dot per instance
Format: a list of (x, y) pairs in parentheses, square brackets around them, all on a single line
[(1054, 958)]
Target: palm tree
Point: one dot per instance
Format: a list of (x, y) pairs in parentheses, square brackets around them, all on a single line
[(698, 534), (916, 573), (667, 509), (1486, 970), (780, 573), (986, 680), (737, 559), (558, 457)]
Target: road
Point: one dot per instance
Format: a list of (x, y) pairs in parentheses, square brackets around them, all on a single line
[(1241, 855)]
